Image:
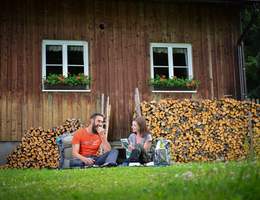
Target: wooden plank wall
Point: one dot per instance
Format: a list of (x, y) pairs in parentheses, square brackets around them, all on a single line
[(118, 56)]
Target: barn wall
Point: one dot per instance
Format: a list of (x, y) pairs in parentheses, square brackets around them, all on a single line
[(119, 57)]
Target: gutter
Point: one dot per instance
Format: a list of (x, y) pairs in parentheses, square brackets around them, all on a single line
[(240, 53)]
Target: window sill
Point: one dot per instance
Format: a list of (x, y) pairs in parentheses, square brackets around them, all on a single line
[(163, 89), (174, 91), (66, 90)]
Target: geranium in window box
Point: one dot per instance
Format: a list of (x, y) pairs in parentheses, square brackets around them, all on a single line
[(163, 83), (72, 82)]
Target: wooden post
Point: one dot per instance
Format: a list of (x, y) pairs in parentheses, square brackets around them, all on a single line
[(210, 66), (137, 103), (108, 110), (102, 104)]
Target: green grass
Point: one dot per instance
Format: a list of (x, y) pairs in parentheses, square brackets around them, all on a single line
[(234, 180)]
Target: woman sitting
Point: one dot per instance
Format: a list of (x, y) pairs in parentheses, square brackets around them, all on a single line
[(140, 142)]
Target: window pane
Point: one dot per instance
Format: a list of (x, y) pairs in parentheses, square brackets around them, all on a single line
[(75, 55), (160, 56), (75, 70), (181, 72), (162, 72), (53, 70), (179, 56), (53, 54)]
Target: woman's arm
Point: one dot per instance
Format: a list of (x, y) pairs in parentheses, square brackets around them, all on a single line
[(131, 141), (148, 142), (147, 145)]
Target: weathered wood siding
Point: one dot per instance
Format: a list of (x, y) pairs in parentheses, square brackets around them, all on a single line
[(118, 56)]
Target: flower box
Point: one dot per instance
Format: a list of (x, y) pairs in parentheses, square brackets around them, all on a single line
[(65, 87), (71, 82), (172, 88), (173, 84)]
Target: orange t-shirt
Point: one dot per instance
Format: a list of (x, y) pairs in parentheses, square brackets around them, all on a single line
[(89, 143)]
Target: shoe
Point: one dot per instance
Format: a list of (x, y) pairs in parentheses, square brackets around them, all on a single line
[(109, 165), (88, 166), (133, 164), (149, 164)]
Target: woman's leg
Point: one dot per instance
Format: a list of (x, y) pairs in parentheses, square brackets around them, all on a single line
[(144, 157), (135, 155), (139, 155)]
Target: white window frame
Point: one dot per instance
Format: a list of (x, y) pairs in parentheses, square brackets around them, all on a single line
[(171, 66), (65, 44)]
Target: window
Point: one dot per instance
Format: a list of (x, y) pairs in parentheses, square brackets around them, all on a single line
[(170, 60), (67, 58)]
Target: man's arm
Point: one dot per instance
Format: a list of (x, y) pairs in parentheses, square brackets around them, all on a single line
[(75, 153), (105, 144)]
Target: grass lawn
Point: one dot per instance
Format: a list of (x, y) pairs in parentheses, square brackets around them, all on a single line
[(233, 180)]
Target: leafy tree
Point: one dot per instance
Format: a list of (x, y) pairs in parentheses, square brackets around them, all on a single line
[(252, 51)]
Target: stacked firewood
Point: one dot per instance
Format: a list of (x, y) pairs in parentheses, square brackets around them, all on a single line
[(256, 138), (205, 130), (38, 148)]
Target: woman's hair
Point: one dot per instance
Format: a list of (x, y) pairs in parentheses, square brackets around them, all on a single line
[(142, 125)]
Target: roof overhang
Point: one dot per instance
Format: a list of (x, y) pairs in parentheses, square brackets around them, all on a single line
[(212, 1)]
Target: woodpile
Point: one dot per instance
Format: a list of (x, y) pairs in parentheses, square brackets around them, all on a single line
[(38, 148), (205, 130), (256, 139)]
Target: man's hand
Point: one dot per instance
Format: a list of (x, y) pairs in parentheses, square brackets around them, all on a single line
[(101, 133), (88, 161), (100, 129)]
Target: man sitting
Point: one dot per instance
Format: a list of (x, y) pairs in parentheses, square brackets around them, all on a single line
[(86, 143)]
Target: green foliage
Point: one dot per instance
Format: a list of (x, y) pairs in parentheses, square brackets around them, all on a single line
[(174, 83), (233, 180), (252, 53), (253, 76), (72, 80)]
